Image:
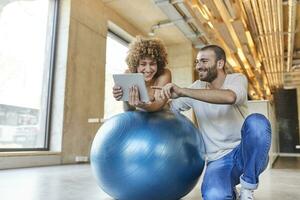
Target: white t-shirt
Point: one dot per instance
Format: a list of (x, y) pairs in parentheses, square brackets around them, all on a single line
[(220, 124)]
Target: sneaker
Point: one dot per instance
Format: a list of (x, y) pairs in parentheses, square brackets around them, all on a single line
[(246, 194), (237, 196)]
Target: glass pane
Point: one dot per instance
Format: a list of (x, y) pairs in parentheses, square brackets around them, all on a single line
[(25, 32), (116, 52)]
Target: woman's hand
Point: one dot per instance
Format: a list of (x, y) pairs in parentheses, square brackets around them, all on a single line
[(134, 97), (117, 92)]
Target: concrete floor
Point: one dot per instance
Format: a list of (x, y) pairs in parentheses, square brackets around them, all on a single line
[(76, 182)]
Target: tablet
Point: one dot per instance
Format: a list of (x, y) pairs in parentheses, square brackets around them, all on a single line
[(126, 81)]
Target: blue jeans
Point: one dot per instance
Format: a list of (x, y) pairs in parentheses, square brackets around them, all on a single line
[(242, 165)]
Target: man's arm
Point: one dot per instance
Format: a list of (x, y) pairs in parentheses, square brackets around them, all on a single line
[(216, 96), (234, 92)]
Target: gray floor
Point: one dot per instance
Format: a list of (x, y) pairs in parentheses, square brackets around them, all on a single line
[(76, 182)]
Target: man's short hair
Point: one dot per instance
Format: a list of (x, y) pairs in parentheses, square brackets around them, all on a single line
[(220, 53)]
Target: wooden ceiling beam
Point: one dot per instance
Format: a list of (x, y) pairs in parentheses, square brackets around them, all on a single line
[(291, 29), (257, 29), (236, 38), (260, 14), (266, 21)]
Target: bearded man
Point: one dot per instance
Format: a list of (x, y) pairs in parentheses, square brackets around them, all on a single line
[(237, 144)]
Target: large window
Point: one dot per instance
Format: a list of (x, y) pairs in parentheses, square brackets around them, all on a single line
[(116, 51), (26, 51)]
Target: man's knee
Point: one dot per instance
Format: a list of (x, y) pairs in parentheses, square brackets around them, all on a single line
[(258, 125), (256, 120)]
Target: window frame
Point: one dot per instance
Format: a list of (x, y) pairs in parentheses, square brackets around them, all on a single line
[(118, 37), (125, 42), (54, 9)]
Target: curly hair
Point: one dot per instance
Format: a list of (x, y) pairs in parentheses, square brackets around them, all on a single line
[(142, 48)]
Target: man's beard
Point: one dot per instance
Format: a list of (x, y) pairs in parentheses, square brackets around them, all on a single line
[(211, 74)]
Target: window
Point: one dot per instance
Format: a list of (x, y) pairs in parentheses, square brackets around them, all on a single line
[(26, 51), (116, 52)]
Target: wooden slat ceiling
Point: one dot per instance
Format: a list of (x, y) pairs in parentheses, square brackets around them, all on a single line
[(261, 37)]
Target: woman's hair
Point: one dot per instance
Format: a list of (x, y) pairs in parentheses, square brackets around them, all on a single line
[(142, 48)]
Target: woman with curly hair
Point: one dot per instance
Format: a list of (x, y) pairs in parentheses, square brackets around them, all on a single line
[(149, 57)]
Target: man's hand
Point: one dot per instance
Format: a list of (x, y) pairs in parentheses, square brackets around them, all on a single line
[(117, 92), (169, 91)]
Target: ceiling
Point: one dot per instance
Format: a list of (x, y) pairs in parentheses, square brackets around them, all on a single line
[(261, 37), (143, 14)]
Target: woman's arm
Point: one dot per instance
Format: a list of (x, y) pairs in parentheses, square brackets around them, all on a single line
[(158, 103), (128, 107)]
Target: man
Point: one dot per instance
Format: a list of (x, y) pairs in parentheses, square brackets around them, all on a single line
[(236, 145)]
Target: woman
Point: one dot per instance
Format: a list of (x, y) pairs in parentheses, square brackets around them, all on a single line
[(149, 57)]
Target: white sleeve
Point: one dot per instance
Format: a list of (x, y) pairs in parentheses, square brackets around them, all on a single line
[(180, 104), (239, 85)]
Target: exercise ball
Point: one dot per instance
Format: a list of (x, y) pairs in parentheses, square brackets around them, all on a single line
[(147, 156)]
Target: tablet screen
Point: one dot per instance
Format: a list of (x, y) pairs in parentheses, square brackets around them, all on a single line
[(126, 81)]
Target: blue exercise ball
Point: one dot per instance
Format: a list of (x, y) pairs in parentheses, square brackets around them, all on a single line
[(147, 156)]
